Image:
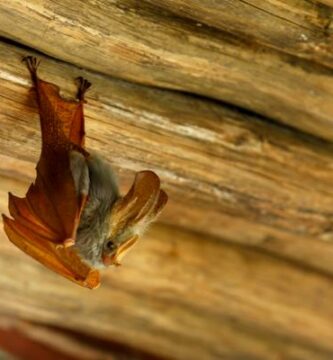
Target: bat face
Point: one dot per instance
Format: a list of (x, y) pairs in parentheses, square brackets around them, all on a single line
[(114, 250), (73, 219), (132, 214), (110, 224)]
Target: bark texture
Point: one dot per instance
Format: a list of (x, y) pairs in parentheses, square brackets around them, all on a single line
[(231, 104)]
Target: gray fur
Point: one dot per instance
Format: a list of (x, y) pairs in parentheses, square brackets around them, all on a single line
[(95, 175), (104, 185), (80, 172)]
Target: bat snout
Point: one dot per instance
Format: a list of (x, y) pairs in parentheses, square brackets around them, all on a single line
[(115, 257)]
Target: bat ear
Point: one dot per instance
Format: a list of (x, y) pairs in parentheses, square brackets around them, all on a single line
[(142, 203), (160, 203)]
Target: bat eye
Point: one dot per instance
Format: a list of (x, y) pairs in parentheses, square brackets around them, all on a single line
[(110, 245)]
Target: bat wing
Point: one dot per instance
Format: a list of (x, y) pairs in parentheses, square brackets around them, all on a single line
[(62, 121), (51, 206), (46, 220), (63, 261)]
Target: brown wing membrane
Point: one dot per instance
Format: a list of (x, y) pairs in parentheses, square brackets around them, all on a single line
[(48, 216), (63, 261), (51, 202), (62, 127)]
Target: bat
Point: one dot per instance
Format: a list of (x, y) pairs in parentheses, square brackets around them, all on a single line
[(73, 219)]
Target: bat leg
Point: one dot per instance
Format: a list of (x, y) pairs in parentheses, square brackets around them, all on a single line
[(84, 85), (32, 64), (80, 172)]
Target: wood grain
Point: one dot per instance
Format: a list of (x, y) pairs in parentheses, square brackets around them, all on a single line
[(327, 2), (275, 75), (240, 264), (181, 296), (299, 28), (31, 340), (228, 174)]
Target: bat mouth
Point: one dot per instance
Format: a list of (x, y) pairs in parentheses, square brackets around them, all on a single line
[(118, 254)]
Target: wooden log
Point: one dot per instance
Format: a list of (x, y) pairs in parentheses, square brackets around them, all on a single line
[(139, 42), (32, 341), (17, 338), (327, 2), (185, 292), (298, 28), (228, 174), (181, 296)]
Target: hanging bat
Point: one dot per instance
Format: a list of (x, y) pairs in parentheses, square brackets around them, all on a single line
[(73, 219)]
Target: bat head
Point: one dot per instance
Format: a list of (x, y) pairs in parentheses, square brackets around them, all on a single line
[(131, 215)]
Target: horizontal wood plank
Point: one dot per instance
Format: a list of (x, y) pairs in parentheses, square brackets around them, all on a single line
[(228, 174), (32, 340), (182, 296), (327, 2), (141, 43), (239, 265), (299, 28)]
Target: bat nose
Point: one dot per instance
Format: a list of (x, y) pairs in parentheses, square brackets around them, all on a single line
[(114, 259), (107, 260)]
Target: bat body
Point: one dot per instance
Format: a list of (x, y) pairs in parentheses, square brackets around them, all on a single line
[(73, 219), (95, 178)]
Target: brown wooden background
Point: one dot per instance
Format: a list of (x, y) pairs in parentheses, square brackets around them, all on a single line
[(231, 103)]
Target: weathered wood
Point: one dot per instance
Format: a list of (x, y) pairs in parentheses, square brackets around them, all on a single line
[(183, 296), (228, 174), (34, 341), (300, 28), (137, 41), (185, 291), (17, 338), (327, 2)]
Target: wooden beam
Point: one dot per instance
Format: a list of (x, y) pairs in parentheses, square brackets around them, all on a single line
[(298, 28), (16, 339), (32, 340), (228, 174), (182, 296), (327, 2), (240, 264), (275, 75)]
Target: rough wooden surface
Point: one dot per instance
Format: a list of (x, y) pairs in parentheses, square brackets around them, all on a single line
[(299, 28), (240, 265), (183, 296), (138, 41), (327, 2), (223, 170)]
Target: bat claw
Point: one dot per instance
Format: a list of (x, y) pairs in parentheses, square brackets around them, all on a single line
[(32, 64), (84, 85)]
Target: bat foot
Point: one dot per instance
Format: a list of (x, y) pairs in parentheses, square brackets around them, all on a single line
[(84, 85), (32, 64), (68, 242)]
